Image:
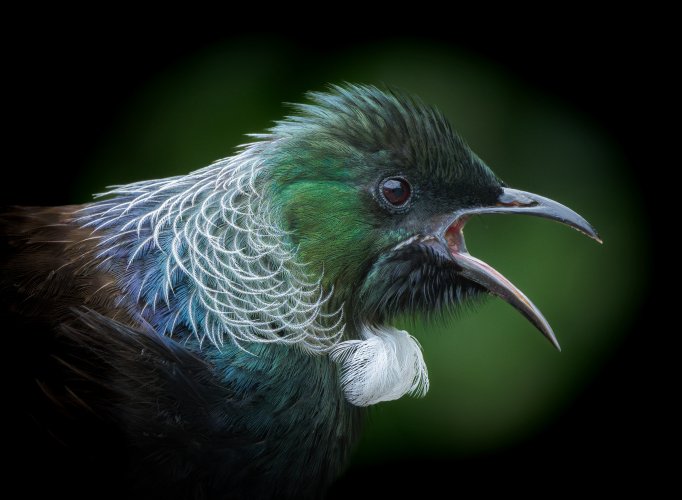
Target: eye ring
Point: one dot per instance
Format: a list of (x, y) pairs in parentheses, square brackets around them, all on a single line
[(396, 192)]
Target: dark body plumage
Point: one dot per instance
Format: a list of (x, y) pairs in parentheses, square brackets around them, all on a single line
[(107, 407)]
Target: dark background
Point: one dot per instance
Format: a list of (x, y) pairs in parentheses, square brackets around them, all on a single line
[(65, 85)]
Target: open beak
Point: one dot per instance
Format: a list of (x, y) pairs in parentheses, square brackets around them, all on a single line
[(511, 201)]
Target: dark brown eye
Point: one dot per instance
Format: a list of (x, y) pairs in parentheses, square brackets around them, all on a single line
[(397, 191)]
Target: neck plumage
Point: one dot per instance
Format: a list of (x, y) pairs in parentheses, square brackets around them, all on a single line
[(204, 259), (203, 255)]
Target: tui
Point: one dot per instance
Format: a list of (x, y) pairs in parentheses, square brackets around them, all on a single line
[(221, 334)]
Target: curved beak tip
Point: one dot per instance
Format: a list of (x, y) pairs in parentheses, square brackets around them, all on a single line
[(585, 228)]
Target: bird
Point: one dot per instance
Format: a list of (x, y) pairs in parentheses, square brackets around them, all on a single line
[(223, 334)]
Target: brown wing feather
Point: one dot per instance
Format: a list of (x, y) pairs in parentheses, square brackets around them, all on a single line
[(48, 266)]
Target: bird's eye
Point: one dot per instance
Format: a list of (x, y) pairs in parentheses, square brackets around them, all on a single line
[(396, 191)]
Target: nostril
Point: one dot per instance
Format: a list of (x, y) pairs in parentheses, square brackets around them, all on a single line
[(514, 200)]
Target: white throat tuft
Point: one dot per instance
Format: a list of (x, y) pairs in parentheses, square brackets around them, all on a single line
[(384, 366)]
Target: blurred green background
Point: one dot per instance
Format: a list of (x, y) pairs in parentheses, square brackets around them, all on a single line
[(495, 381)]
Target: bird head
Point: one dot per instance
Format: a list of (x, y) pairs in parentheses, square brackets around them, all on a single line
[(375, 189)]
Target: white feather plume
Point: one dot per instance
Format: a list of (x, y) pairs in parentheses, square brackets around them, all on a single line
[(384, 366)]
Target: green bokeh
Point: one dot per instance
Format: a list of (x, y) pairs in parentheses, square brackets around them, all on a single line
[(494, 379)]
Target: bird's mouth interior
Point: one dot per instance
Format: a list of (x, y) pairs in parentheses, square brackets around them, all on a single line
[(454, 236)]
